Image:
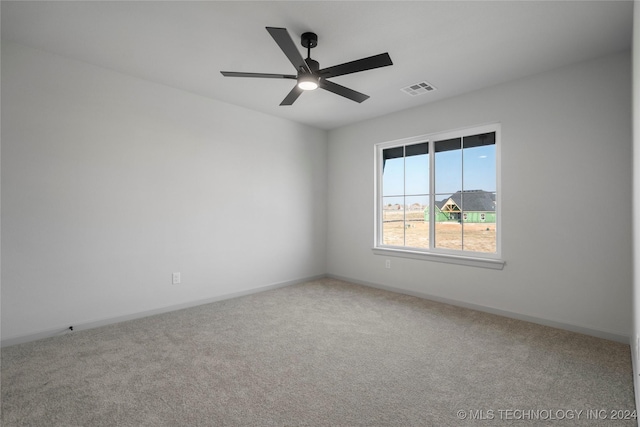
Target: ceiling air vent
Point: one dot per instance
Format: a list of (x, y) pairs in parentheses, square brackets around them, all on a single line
[(419, 88)]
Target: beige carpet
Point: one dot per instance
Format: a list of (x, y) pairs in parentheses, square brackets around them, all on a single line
[(324, 353)]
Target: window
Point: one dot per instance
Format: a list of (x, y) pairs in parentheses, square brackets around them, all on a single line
[(437, 196)]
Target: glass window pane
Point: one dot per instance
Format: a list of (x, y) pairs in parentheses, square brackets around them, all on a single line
[(416, 149), (480, 140), (448, 165), (448, 221), (393, 176), (480, 232), (417, 222), (480, 168), (448, 235), (417, 172), (393, 211)]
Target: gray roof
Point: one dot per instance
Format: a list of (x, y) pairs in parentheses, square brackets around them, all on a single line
[(472, 200)]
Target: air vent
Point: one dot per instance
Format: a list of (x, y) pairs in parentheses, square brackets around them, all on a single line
[(419, 88)]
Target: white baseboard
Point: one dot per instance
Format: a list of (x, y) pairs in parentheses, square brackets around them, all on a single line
[(109, 321), (612, 336)]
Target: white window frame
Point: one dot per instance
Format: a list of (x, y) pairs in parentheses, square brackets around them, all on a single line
[(461, 257)]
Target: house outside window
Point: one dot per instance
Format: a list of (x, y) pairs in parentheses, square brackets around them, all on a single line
[(448, 186)]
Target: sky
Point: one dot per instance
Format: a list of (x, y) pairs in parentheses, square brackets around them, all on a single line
[(468, 169)]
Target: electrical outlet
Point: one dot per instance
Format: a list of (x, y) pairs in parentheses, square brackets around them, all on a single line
[(175, 278), (387, 263)]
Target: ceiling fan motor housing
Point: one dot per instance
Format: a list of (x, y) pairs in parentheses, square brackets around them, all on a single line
[(309, 40), (313, 65)]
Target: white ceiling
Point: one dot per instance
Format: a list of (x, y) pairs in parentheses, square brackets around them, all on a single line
[(455, 46)]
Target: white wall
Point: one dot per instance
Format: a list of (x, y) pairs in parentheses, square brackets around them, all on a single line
[(635, 341), (110, 184), (566, 205)]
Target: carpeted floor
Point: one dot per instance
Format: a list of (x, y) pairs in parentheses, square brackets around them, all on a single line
[(323, 353)]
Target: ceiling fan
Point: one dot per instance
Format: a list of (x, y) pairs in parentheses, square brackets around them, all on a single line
[(309, 75)]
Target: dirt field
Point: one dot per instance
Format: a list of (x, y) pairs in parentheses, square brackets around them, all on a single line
[(477, 237)]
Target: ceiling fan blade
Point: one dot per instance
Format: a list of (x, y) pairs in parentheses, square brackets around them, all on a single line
[(293, 95), (363, 64), (343, 91), (261, 75), (284, 40)]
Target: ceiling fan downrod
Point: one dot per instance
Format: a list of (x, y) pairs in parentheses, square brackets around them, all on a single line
[(310, 40)]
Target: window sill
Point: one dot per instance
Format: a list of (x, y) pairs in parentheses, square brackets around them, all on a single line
[(496, 264)]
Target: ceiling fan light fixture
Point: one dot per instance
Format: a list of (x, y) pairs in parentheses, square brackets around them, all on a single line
[(308, 82)]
